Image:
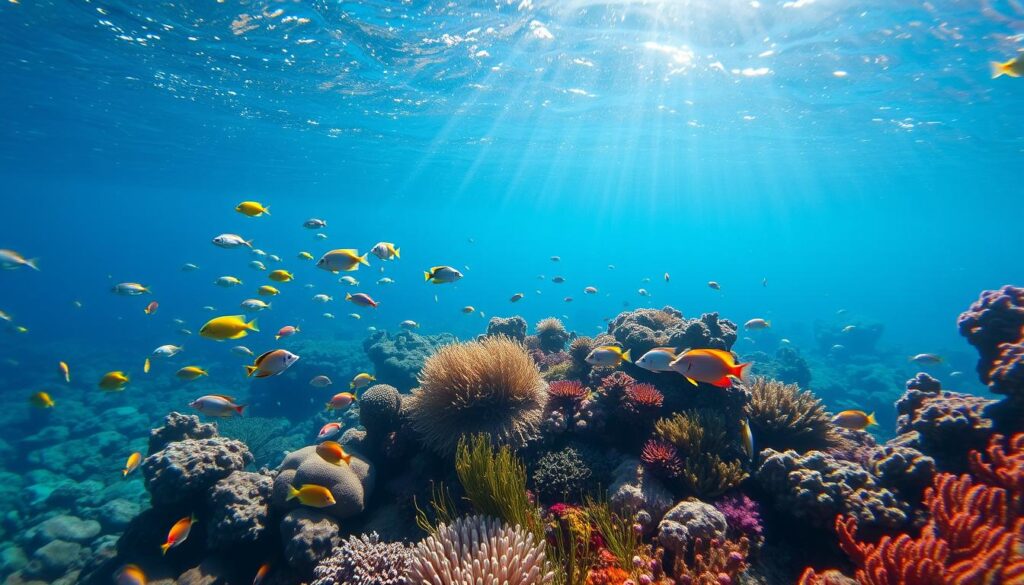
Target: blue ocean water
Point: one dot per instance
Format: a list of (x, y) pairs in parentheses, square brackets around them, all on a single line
[(828, 163)]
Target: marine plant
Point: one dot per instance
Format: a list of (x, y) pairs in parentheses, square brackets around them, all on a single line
[(783, 416), (489, 386), (617, 532), (495, 483), (701, 442)]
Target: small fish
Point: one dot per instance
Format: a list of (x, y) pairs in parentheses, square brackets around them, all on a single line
[(341, 400), (166, 351), (714, 285), (567, 299), (468, 309), (258, 253), (254, 305), (747, 436), (849, 328), (114, 381), (227, 281), (315, 496), (281, 276), (274, 258), (252, 209), (608, 356), (590, 290), (129, 289), (65, 371), (784, 341), (177, 321), (712, 366), (516, 297), (189, 267), (241, 350), (133, 461), (611, 267), (217, 405), (333, 452), (837, 347), (409, 324), (130, 575), (257, 265), (341, 260), (1013, 67), (151, 308), (76, 304), (956, 374), (305, 256), (228, 327), (320, 381), (314, 223), (328, 315), (262, 572), (271, 363), (355, 316), (322, 298), (757, 324), (321, 236), (146, 366), (286, 331), (558, 279), (348, 280), (667, 277), (191, 373), (5, 317), (386, 280), (361, 379), (231, 241), (328, 430), (926, 359), (308, 285), (657, 359), (268, 291), (645, 279), (209, 308), (841, 312), (643, 292), (385, 251), (361, 299), (441, 275), (764, 281), (556, 258), (41, 400), (855, 420), (178, 533), (11, 260)]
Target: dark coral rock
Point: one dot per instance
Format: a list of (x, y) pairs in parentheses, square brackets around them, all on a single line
[(512, 327), (365, 560), (997, 317), (239, 505), (923, 382), (1007, 373), (943, 424), (644, 329), (308, 536), (186, 470), (786, 366), (379, 409), (903, 469), (551, 335), (178, 427), (397, 359), (707, 332)]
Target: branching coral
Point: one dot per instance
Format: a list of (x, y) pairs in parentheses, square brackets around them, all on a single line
[(742, 515), (567, 391), (782, 416), (365, 560), (702, 443), (975, 534), (642, 401), (490, 386), (551, 335), (713, 562), (477, 550), (561, 476)]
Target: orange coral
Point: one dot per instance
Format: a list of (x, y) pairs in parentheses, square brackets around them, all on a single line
[(975, 535)]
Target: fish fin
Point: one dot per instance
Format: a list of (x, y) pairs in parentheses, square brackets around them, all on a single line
[(625, 356), (266, 210), (164, 548), (250, 370), (690, 380), (398, 253), (871, 420), (362, 260), (348, 296), (251, 326), (347, 459), (723, 382), (268, 305), (33, 263), (1000, 69), (248, 243), (277, 337), (124, 473), (292, 493), (768, 323), (426, 276), (741, 371)]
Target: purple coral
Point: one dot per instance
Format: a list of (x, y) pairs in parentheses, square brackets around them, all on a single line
[(997, 317), (742, 515), (1007, 373)]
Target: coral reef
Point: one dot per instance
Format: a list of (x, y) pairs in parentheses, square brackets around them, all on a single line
[(397, 359), (268, 439), (579, 349), (688, 521), (742, 516), (903, 469), (786, 366), (240, 515), (178, 427), (636, 495), (511, 327), (365, 560), (562, 476), (644, 329), (477, 550), (308, 537), (782, 416), (996, 318), (700, 438), (350, 484), (185, 470), (551, 335), (490, 386), (379, 409), (713, 562)]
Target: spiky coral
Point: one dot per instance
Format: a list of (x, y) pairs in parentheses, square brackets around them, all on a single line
[(701, 440), (552, 335), (477, 550), (975, 534), (782, 416), (365, 560), (662, 458), (567, 390), (642, 400), (490, 386), (713, 562), (562, 476)]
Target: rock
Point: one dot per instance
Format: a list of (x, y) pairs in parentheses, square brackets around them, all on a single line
[(12, 558), (212, 571), (116, 514), (186, 470), (178, 427), (350, 484), (55, 558), (635, 491), (687, 521), (308, 537), (65, 527), (239, 505), (378, 409)]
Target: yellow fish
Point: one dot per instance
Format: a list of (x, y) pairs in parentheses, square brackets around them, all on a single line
[(608, 355), (252, 209), (191, 373), (41, 400), (316, 496), (130, 575), (65, 372), (305, 256), (227, 327), (145, 366), (268, 291), (133, 461), (114, 381), (712, 366), (1011, 68), (855, 420), (341, 260), (361, 380), (281, 276)]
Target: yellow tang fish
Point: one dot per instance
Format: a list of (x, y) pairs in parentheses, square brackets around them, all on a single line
[(41, 400), (281, 276), (114, 381), (316, 496), (227, 327), (65, 371), (133, 461), (252, 209), (855, 420)]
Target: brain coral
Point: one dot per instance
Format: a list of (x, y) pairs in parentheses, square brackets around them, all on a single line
[(379, 407), (350, 484), (489, 386), (477, 550)]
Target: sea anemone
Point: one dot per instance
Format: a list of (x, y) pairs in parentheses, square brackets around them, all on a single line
[(782, 416), (489, 386), (552, 335), (567, 390), (477, 550), (662, 458), (642, 400)]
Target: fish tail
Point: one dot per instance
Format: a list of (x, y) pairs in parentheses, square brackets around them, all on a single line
[(33, 263), (239, 408), (768, 324), (266, 210), (250, 370), (398, 252), (362, 260), (248, 243), (625, 356), (348, 296), (292, 493), (251, 326), (124, 473), (277, 337), (741, 371), (268, 305), (1000, 69), (871, 420), (164, 548), (347, 459), (426, 277)]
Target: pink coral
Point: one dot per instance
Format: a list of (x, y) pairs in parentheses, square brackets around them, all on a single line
[(662, 458), (567, 390), (742, 516)]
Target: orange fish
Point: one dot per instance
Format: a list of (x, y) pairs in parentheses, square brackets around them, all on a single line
[(261, 573), (133, 461), (151, 307), (711, 366), (179, 533), (130, 575), (855, 420), (333, 452), (341, 400)]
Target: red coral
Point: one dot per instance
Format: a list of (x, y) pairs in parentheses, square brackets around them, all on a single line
[(570, 390), (645, 396), (662, 458), (616, 383), (975, 535)]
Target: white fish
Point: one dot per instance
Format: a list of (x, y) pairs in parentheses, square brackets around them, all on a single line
[(658, 359), (178, 321), (355, 316), (254, 305), (271, 363), (643, 292), (189, 267), (166, 351), (129, 289), (322, 298), (409, 324), (257, 265), (258, 252), (10, 260), (349, 280), (385, 280), (328, 315), (227, 281), (757, 324), (210, 308), (231, 241), (590, 290), (217, 406), (274, 258), (321, 236), (320, 382), (314, 223), (241, 350), (849, 328)]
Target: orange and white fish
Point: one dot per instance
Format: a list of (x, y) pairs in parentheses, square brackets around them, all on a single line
[(712, 366), (855, 420), (271, 363), (333, 452), (341, 400), (217, 405), (286, 331), (130, 575), (65, 372), (361, 299), (133, 461), (261, 574), (178, 533), (329, 430)]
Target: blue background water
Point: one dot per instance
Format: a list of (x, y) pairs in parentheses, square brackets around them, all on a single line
[(657, 138)]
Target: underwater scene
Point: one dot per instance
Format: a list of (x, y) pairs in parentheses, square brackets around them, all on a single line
[(511, 292)]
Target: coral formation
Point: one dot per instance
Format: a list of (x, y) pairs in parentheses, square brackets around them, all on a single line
[(268, 439), (477, 550), (350, 483), (511, 327), (397, 359), (742, 516), (782, 416), (786, 365), (379, 408), (702, 447), (996, 318), (308, 536), (551, 335), (178, 427), (713, 562), (562, 476), (365, 560), (240, 515), (490, 386), (185, 470), (636, 495), (644, 329), (688, 521)]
